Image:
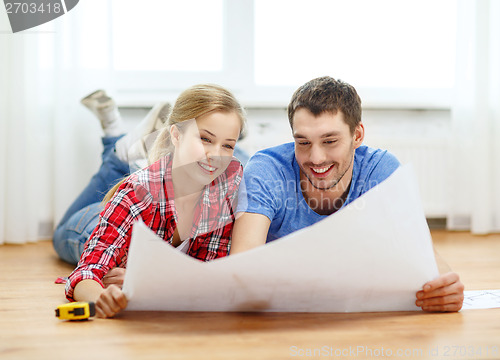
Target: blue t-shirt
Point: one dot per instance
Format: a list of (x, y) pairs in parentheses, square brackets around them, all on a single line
[(271, 186)]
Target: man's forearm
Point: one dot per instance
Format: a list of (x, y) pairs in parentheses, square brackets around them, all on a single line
[(250, 230)]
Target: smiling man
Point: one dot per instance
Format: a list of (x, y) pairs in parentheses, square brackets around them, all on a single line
[(294, 185)]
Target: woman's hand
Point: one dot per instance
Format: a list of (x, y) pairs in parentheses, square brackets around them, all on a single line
[(110, 302), (446, 293), (115, 276)]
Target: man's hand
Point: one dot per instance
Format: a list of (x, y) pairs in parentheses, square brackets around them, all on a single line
[(446, 293), (115, 276), (111, 301)]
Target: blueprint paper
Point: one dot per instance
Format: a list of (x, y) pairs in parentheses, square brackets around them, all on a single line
[(373, 255), (481, 299)]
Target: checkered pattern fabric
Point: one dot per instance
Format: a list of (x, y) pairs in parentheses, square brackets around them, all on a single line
[(149, 195)]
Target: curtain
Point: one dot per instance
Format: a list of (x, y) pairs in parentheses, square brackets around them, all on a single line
[(49, 144), (23, 132), (475, 150)]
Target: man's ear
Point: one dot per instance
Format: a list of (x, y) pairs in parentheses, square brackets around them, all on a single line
[(359, 135)]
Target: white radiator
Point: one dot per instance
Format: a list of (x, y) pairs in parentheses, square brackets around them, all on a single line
[(430, 160)]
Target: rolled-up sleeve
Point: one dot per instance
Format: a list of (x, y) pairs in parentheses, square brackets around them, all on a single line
[(107, 246)]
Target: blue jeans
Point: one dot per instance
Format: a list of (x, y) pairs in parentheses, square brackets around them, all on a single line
[(82, 216)]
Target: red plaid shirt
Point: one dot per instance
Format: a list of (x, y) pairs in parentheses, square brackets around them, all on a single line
[(148, 195)]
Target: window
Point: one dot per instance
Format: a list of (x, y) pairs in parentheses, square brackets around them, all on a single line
[(167, 35), (384, 43), (396, 53)]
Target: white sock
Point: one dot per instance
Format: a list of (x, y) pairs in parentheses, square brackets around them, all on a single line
[(131, 147), (111, 122), (122, 146)]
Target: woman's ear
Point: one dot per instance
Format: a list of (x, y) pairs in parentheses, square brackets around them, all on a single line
[(175, 135)]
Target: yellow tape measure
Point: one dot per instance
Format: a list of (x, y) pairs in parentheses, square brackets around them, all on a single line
[(75, 310)]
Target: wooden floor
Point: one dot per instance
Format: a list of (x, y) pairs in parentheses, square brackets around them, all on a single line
[(29, 329)]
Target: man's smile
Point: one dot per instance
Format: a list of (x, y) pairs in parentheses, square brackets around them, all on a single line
[(321, 171)]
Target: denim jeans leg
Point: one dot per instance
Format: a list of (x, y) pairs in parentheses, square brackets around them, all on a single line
[(111, 171), (70, 238), (82, 216)]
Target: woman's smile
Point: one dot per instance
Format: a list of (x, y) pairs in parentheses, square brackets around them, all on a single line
[(207, 168)]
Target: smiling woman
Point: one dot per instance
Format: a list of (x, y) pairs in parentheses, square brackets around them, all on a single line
[(203, 149), (186, 196)]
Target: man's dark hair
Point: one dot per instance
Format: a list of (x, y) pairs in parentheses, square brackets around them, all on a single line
[(327, 94)]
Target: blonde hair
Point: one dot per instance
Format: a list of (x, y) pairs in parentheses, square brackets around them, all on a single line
[(192, 103)]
